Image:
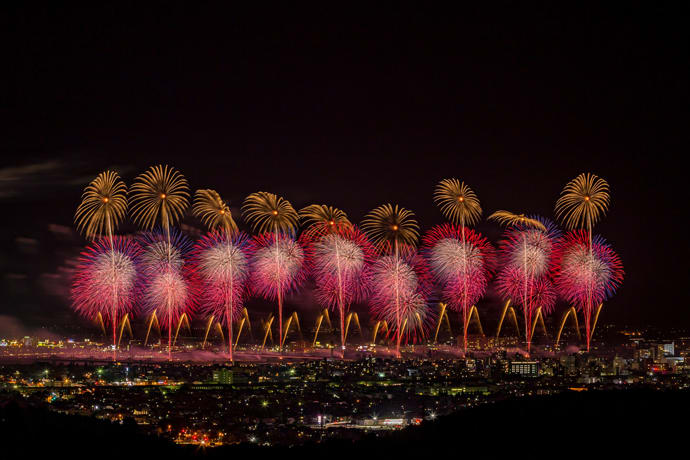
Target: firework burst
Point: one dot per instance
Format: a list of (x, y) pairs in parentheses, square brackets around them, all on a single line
[(457, 202), (213, 211), (391, 226), (168, 288), (103, 205), (526, 255), (319, 217), (586, 272), (583, 201), (581, 274), (339, 256), (461, 263), (160, 194), (106, 280), (278, 267), (221, 262), (267, 212), (400, 290)]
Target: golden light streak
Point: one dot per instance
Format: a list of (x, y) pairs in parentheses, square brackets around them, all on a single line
[(352, 316), (183, 321), (323, 216), (475, 312), (596, 318), (380, 325), (103, 205), (159, 194), (507, 308), (125, 322), (458, 203), (208, 328), (267, 329), (508, 219), (570, 312), (293, 318), (539, 317), (391, 224), (583, 201), (267, 212), (99, 318), (213, 212), (153, 318), (443, 314)]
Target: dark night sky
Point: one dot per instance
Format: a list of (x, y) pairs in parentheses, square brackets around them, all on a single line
[(352, 110)]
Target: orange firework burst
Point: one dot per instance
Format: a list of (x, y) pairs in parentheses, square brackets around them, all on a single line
[(213, 211)]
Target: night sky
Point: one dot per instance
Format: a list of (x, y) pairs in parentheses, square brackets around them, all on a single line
[(350, 109)]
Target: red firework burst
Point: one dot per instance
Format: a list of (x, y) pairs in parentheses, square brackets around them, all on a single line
[(401, 287), (106, 279), (586, 275), (462, 271)]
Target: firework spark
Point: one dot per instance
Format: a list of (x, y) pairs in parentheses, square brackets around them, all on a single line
[(279, 267), (390, 226), (400, 289), (461, 262), (587, 272), (583, 201), (222, 264), (526, 256), (106, 280), (103, 205), (457, 202), (159, 194), (267, 212), (168, 289), (213, 211), (339, 256), (318, 217)]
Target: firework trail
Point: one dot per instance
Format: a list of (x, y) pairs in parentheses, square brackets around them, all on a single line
[(339, 256), (160, 194), (103, 206), (583, 201), (459, 204), (267, 212), (526, 254), (106, 280), (586, 272), (389, 228), (221, 262), (278, 267), (401, 286), (168, 285), (461, 263)]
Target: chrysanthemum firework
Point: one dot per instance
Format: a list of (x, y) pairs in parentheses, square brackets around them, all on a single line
[(339, 256), (400, 290), (390, 227), (106, 279), (167, 285), (221, 262), (530, 249), (462, 270), (540, 291), (320, 218), (279, 265), (586, 277)]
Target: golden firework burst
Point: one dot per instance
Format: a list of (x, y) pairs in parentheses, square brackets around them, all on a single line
[(508, 219), (160, 193), (391, 224), (213, 211), (583, 201), (268, 212), (322, 216), (457, 202), (103, 205)]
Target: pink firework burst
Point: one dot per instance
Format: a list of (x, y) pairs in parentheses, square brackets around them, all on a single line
[(461, 269), (586, 277), (221, 262), (339, 257), (338, 260), (400, 290), (540, 291), (279, 265), (106, 279), (168, 289)]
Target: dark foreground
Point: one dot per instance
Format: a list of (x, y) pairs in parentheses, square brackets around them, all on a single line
[(564, 425)]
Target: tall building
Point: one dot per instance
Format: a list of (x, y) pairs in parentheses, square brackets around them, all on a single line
[(222, 376), (525, 368)]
